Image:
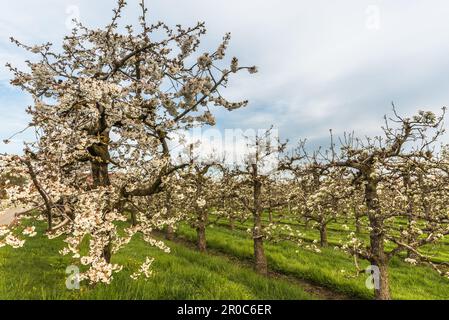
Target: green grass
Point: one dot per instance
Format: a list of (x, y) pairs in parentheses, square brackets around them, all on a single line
[(325, 268), (438, 252), (37, 271)]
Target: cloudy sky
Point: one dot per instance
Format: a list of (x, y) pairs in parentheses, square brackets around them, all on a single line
[(323, 63)]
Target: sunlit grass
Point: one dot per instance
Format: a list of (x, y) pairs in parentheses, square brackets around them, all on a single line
[(37, 271), (331, 267)]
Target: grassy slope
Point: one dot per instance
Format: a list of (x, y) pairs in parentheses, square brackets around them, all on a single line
[(325, 268), (37, 271)]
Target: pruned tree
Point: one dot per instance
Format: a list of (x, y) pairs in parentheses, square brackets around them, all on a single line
[(200, 182), (327, 198), (375, 162), (261, 162), (229, 206), (105, 108)]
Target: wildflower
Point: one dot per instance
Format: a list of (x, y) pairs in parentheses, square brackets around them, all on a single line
[(29, 231)]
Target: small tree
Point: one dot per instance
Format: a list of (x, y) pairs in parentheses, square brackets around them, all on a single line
[(375, 162), (261, 162), (327, 200), (200, 184)]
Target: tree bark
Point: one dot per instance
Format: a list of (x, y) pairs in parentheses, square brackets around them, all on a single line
[(47, 201), (201, 238), (201, 230), (379, 259), (169, 233), (232, 223), (100, 170), (410, 210), (377, 251), (323, 236), (107, 252), (270, 215), (100, 174), (260, 259), (133, 218), (382, 288), (384, 291)]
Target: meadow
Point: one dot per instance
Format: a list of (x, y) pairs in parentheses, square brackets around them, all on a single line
[(38, 271)]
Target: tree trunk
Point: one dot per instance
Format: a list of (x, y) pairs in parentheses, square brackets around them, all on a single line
[(107, 252), (100, 172), (270, 216), (49, 220), (201, 238), (169, 233), (323, 235), (133, 217), (232, 223), (259, 256), (201, 230), (47, 201), (382, 286), (260, 260), (410, 253), (382, 291), (408, 185), (379, 259)]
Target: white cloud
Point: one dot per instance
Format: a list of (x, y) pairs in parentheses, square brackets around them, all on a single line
[(320, 66)]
